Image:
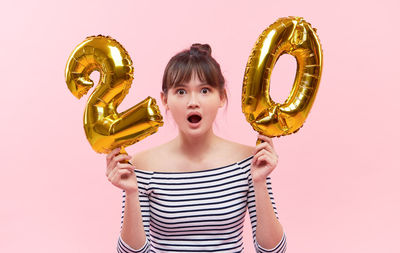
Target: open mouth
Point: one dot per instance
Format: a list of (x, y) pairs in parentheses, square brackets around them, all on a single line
[(194, 118)]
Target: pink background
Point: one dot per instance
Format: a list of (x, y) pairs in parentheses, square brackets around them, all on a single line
[(336, 184)]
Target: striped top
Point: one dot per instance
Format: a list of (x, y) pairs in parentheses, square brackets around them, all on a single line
[(200, 211)]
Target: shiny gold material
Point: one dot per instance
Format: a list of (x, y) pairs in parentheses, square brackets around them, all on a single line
[(105, 128), (294, 36)]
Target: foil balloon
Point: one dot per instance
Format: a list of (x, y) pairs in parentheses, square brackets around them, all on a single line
[(294, 36), (105, 128)]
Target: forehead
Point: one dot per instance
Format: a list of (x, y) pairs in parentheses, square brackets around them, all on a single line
[(194, 81)]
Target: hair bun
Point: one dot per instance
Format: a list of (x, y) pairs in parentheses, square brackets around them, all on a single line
[(198, 48)]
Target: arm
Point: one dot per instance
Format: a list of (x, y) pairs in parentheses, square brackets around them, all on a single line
[(135, 208), (134, 224), (268, 233)]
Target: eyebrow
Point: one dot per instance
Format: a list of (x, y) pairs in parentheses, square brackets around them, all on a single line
[(183, 85)]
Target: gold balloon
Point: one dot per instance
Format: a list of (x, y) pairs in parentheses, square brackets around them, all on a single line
[(294, 36), (105, 128)]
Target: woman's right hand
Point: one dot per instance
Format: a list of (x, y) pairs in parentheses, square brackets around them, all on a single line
[(120, 174)]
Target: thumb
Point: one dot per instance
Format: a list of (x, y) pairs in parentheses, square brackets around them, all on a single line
[(253, 162)]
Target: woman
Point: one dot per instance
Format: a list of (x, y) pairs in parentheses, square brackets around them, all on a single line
[(191, 194)]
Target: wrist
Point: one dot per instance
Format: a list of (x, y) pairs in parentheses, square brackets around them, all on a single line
[(132, 193), (260, 186)]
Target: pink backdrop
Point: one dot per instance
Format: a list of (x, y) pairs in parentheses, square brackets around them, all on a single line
[(336, 184)]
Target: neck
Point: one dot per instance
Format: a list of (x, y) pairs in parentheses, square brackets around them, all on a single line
[(196, 147)]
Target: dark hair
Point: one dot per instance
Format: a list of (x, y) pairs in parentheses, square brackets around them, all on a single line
[(197, 60)]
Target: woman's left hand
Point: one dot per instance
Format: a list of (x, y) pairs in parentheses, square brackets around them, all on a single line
[(264, 161)]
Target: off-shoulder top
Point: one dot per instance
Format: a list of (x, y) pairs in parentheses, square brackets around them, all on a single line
[(200, 211)]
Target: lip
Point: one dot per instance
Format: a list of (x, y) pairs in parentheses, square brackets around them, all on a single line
[(193, 113)]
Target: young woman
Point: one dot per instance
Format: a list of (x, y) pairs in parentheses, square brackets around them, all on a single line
[(191, 194)]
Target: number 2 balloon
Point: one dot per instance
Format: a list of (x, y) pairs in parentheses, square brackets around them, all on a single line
[(105, 128)]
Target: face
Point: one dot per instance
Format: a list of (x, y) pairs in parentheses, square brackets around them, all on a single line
[(193, 105)]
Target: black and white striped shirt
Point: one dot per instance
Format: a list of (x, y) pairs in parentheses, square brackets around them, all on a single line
[(201, 211)]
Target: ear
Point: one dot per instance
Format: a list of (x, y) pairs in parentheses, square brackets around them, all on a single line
[(223, 99), (164, 100)]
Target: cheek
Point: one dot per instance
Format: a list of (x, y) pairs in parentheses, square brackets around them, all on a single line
[(211, 108), (177, 110)]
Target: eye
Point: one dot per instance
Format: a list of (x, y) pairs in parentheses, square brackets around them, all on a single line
[(181, 91), (205, 90)]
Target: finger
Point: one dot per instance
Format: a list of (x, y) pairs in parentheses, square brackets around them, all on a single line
[(112, 173), (267, 157), (272, 161), (112, 154), (270, 158), (265, 139), (264, 145), (116, 159), (256, 156), (266, 160), (121, 170), (262, 159), (112, 170), (116, 178), (122, 157), (126, 166)]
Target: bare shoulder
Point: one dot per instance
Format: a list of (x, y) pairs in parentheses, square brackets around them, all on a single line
[(239, 150), (245, 150), (139, 159), (162, 158), (144, 160), (148, 159)]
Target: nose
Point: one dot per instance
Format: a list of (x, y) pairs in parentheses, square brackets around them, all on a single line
[(193, 101)]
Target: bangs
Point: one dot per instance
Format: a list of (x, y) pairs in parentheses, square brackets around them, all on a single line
[(182, 70)]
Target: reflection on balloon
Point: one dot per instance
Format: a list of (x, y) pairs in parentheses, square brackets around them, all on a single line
[(294, 36), (105, 128)]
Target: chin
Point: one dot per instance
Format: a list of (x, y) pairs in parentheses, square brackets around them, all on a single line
[(196, 132)]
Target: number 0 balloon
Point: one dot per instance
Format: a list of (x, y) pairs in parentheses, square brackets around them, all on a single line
[(294, 36), (105, 128)]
